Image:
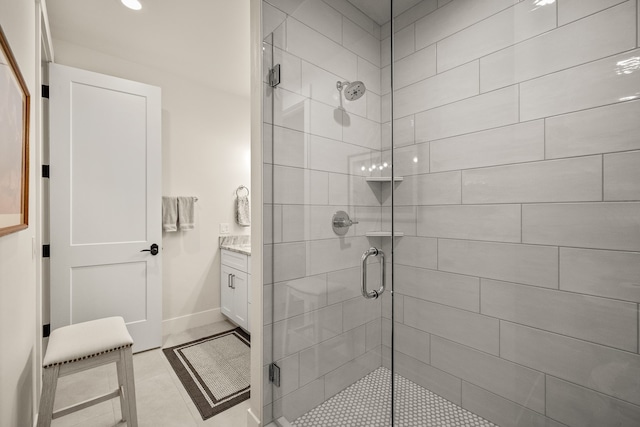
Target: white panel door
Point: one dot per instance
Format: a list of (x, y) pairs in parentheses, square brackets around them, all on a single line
[(105, 191)]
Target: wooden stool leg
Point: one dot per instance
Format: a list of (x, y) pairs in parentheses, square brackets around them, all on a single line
[(122, 384), (130, 388), (49, 385)]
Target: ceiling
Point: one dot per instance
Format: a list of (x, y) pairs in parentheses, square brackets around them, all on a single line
[(206, 41)]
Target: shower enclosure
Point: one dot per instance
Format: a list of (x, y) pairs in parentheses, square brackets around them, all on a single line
[(451, 212)]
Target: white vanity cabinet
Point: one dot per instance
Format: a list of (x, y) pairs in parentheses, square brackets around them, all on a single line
[(235, 273)]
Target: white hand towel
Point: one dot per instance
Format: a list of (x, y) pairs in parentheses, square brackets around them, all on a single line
[(243, 212), (169, 214), (186, 213)]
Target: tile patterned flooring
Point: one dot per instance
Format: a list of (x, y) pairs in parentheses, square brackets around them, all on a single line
[(161, 399), (367, 403)]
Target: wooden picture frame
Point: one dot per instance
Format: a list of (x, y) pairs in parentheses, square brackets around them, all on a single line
[(14, 143)]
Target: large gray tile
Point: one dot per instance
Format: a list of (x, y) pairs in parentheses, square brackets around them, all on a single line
[(349, 373), (289, 185), (320, 17), (447, 87), (359, 311), (289, 377), (434, 380), (360, 41), (299, 296), (501, 411), (334, 254), (373, 338), (567, 180), (518, 143), (498, 223), (610, 274), (300, 332), (607, 370), (532, 265), (335, 156), (608, 80), (355, 15), (461, 326), (576, 406), (622, 176), (486, 111), (600, 320), (410, 160), (429, 189), (416, 252), (315, 48), (343, 285), (415, 67), (415, 13), (520, 22), (290, 110), (322, 358), (453, 17), (404, 42), (301, 401), (289, 147), (589, 225), (289, 261), (571, 10), (455, 290), (509, 380), (599, 130), (590, 39), (360, 131), (410, 341)]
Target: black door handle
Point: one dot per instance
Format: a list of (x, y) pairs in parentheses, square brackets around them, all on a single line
[(154, 249)]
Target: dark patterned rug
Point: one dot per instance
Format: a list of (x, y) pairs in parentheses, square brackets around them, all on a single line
[(214, 370)]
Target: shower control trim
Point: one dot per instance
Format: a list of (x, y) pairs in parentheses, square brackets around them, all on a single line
[(341, 223)]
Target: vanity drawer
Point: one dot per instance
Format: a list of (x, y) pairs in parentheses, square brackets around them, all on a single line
[(234, 260)]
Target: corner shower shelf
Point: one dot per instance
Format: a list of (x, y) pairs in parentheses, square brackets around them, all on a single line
[(384, 179), (382, 234)]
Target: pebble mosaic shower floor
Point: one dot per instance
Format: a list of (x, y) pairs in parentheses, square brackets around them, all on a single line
[(367, 404)]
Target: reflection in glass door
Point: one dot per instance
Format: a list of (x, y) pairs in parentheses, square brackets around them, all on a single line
[(330, 184)]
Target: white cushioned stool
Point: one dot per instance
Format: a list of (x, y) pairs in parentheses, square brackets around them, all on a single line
[(83, 346)]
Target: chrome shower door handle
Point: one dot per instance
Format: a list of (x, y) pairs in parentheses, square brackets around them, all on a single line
[(363, 270)]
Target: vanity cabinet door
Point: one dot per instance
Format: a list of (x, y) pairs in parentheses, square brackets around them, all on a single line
[(226, 291), (240, 289), (233, 295)]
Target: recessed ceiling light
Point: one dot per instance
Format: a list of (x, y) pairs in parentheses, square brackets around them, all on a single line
[(132, 4)]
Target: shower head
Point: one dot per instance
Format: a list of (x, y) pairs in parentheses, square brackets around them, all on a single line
[(353, 90)]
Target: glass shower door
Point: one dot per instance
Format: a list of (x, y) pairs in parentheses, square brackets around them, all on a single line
[(326, 186)]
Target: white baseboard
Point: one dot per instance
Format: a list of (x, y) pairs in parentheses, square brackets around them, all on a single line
[(252, 420), (183, 323)]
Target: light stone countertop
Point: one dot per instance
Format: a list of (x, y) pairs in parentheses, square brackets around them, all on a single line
[(240, 244)]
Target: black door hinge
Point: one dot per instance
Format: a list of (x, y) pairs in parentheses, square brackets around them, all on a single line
[(46, 251), (274, 76), (274, 374), (46, 330), (45, 91), (45, 171)]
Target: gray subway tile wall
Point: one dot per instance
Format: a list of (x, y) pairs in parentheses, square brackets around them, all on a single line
[(516, 127), (548, 252)]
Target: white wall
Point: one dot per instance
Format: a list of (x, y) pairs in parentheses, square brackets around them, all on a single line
[(18, 329), (206, 153)]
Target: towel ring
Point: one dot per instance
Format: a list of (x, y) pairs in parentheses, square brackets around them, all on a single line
[(242, 187)]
